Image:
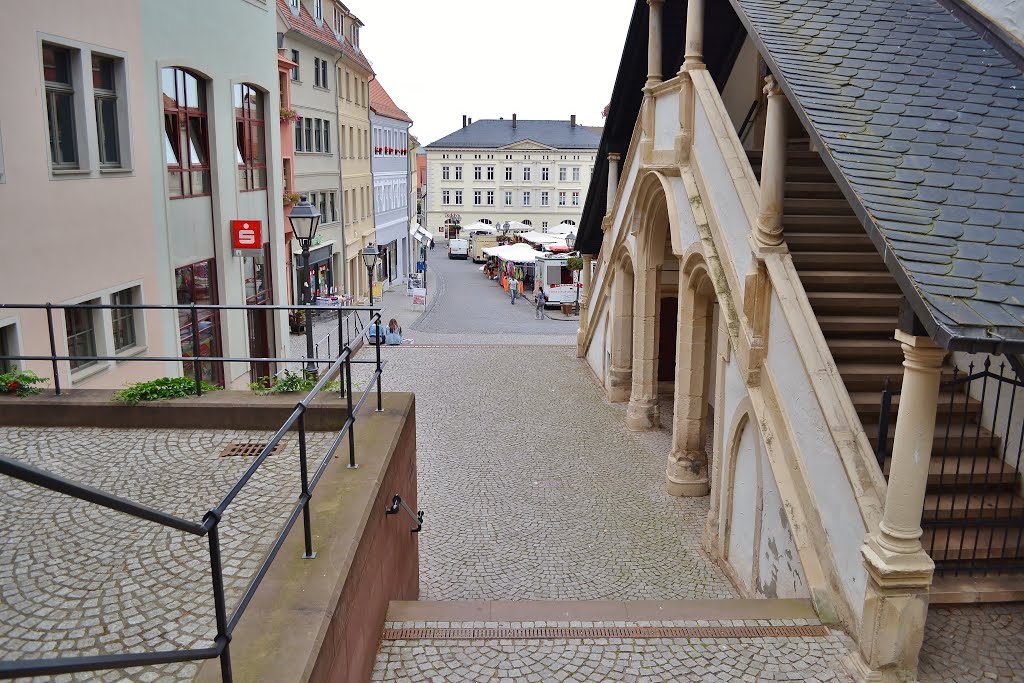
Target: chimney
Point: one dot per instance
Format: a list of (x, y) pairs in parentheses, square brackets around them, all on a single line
[(471, 120), (463, 120), (572, 120), (513, 120)]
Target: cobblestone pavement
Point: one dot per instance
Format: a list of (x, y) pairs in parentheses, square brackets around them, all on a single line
[(79, 579), (651, 660), (968, 643)]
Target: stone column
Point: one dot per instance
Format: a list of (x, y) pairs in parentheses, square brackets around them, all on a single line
[(694, 56), (654, 43), (687, 471), (768, 232), (620, 371), (613, 178), (587, 283), (642, 414), (899, 570)]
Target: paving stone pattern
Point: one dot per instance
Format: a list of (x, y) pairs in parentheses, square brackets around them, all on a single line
[(77, 579), (969, 643), (651, 660)]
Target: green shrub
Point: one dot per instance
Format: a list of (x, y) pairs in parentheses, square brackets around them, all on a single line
[(20, 382), (574, 263), (293, 383), (160, 390)]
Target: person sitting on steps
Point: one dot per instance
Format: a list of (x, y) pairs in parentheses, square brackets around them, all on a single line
[(393, 336)]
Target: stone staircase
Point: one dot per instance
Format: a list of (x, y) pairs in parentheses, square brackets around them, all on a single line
[(856, 301), (664, 640)]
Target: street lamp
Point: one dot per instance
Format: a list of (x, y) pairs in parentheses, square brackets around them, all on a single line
[(570, 241), (304, 219), (370, 255)]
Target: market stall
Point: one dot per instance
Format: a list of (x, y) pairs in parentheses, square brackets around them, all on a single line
[(512, 259)]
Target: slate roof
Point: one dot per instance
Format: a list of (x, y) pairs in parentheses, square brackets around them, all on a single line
[(921, 121), (305, 24), (382, 104), (492, 134)]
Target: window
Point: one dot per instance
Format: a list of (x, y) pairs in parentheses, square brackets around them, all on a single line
[(8, 347), (544, 175), (544, 226), (561, 174), (323, 204), (252, 154), (196, 284), (477, 197), (575, 174), (318, 136), (295, 58), (478, 172), (298, 135), (323, 74), (446, 197), (490, 173), (104, 90), (526, 172), (458, 197), (327, 136), (527, 221), (445, 173), (543, 198), (508, 199), (354, 31), (490, 197), (508, 173), (348, 86), (294, 4), (526, 199), (318, 9), (334, 208), (123, 320), (575, 198), (60, 106), (458, 173), (337, 21), (316, 71), (561, 199), (81, 331), (309, 135), (187, 140)]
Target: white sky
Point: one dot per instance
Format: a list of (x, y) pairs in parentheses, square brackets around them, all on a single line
[(541, 59)]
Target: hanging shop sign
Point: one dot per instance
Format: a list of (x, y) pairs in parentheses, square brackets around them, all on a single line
[(246, 235)]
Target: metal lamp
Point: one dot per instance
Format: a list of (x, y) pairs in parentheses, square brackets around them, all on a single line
[(304, 219), (370, 255), (570, 241)]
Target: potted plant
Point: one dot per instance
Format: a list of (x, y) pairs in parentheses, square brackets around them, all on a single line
[(20, 383), (289, 115), (289, 198)]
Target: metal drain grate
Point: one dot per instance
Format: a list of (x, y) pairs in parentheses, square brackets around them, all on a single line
[(592, 632), (246, 449)]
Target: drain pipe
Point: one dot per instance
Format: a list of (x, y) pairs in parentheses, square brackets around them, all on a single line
[(341, 181)]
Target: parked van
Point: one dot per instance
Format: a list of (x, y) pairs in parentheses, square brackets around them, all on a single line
[(557, 281), (458, 248)]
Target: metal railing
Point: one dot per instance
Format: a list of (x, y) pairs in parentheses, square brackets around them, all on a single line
[(209, 525), (748, 120), (973, 517)]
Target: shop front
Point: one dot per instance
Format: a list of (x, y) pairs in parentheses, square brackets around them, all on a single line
[(196, 283), (259, 291), (318, 279)]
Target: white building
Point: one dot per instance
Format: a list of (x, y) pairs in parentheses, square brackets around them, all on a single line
[(391, 173), (534, 172)]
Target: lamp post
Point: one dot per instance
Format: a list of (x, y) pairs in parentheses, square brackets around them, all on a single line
[(370, 254), (304, 219), (570, 241)]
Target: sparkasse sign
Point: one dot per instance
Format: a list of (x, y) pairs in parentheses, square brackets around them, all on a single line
[(246, 234)]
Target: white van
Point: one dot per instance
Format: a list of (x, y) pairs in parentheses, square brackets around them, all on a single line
[(458, 248), (557, 281)]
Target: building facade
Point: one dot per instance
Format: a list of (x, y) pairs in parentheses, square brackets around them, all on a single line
[(125, 175), (391, 173), (534, 172)]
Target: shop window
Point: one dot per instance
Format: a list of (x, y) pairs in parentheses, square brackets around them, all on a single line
[(60, 105), (250, 138), (186, 131), (81, 331), (196, 284), (123, 319)]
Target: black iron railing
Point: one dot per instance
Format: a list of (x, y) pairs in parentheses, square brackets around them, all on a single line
[(748, 120), (973, 517), (340, 366)]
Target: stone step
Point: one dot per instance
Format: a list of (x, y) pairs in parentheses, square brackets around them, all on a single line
[(957, 590), (598, 610), (793, 158), (799, 240), (972, 506), (854, 303), (847, 280), (870, 377), (985, 444), (796, 189), (828, 260), (879, 327), (866, 350), (974, 543), (868, 404), (817, 206), (819, 223), (955, 472)]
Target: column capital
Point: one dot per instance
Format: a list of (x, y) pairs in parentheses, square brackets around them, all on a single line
[(771, 87), (614, 156), (652, 3)]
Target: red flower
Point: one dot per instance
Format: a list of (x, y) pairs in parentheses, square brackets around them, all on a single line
[(13, 385)]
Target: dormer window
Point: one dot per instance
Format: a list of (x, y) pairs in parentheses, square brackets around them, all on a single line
[(338, 27), (355, 35), (318, 10), (294, 5)]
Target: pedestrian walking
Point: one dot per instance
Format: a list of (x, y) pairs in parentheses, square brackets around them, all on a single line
[(431, 244), (541, 300), (513, 288)]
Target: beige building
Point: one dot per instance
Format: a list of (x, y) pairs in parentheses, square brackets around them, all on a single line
[(800, 251), (534, 172)]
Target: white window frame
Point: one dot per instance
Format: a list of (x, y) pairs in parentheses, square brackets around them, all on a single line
[(446, 197), (490, 197), (561, 198), (526, 173), (478, 172), (575, 174), (490, 173), (458, 197), (458, 173), (318, 10), (446, 173), (575, 198), (545, 173), (526, 198), (544, 198), (508, 173), (508, 198), (561, 174), (478, 198)]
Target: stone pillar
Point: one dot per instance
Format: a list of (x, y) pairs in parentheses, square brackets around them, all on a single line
[(613, 178), (687, 471), (694, 56), (584, 305), (768, 232), (620, 370), (899, 570), (654, 42), (643, 413)]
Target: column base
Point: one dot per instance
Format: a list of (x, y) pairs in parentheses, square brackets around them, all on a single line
[(687, 474), (620, 384), (643, 415)]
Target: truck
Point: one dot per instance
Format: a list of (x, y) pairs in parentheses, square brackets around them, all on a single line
[(558, 282), (479, 242)]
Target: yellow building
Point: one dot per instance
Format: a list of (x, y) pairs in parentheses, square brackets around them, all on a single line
[(354, 72)]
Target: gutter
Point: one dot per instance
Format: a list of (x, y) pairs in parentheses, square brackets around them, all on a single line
[(341, 180)]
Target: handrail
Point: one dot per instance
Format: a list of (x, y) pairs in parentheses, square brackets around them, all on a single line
[(210, 524), (748, 120)]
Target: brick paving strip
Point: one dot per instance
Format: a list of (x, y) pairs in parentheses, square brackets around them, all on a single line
[(591, 632)]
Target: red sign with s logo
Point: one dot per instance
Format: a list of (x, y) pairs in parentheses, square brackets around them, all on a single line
[(246, 234)]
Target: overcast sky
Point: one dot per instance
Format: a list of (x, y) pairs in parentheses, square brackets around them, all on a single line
[(541, 59)]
